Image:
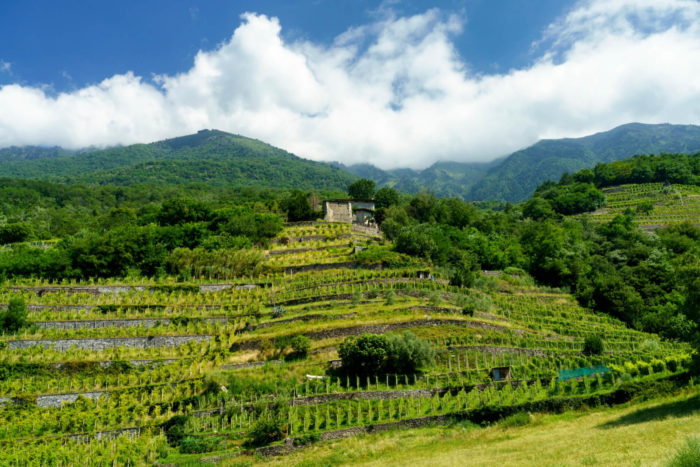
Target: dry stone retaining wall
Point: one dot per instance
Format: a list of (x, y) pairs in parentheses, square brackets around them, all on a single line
[(96, 344), (117, 323)]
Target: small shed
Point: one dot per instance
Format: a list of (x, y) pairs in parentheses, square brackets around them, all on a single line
[(500, 373)]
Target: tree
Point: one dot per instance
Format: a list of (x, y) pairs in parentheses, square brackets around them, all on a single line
[(182, 210), (297, 207), (362, 189), (386, 197), (16, 232), (363, 355), (15, 317)]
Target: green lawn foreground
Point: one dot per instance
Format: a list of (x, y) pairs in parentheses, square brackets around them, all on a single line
[(647, 433)]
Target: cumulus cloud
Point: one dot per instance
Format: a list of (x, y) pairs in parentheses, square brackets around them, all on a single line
[(395, 92)]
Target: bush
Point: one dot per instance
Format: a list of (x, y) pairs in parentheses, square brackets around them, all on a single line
[(15, 317), (672, 365), (695, 364), (688, 455), (593, 345), (518, 419), (371, 354), (463, 277), (174, 429), (267, 430), (406, 353), (198, 445), (305, 439), (300, 346)]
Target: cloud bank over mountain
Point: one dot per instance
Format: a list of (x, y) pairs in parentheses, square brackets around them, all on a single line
[(394, 92)]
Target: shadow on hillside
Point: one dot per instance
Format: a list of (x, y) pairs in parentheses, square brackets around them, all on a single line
[(659, 412)]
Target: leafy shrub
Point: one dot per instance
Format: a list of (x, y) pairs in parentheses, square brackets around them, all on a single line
[(688, 455), (672, 364), (306, 439), (658, 365), (198, 445), (267, 430), (406, 353), (593, 345), (15, 317), (469, 309), (300, 346), (695, 364), (515, 420), (174, 429), (463, 277), (435, 298)]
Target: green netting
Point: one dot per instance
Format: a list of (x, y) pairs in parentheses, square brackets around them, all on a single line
[(578, 372)]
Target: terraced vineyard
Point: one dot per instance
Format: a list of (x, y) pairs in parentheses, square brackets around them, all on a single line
[(108, 369), (667, 204)]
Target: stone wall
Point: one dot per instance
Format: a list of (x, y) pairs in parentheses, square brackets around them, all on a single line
[(95, 344), (368, 230), (117, 323), (337, 211), (56, 400)]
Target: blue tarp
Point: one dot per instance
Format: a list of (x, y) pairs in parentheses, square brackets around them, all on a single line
[(578, 372)]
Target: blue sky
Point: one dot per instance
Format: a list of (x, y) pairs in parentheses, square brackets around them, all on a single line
[(72, 43), (394, 83)]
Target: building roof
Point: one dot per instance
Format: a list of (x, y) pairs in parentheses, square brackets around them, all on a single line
[(356, 200)]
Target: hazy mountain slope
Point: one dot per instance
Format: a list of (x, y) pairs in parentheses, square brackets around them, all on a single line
[(518, 175), (445, 179)]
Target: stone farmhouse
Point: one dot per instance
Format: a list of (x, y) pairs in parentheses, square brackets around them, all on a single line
[(351, 211)]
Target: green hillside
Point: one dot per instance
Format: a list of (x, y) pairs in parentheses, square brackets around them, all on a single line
[(516, 178), (209, 156), (151, 371), (654, 204)]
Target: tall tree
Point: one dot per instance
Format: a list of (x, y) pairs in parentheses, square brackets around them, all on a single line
[(362, 189)]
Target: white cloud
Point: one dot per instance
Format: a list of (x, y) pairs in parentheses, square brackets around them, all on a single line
[(394, 92), (5, 67)]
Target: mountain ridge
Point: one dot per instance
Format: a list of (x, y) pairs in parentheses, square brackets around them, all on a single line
[(220, 158), (211, 156)]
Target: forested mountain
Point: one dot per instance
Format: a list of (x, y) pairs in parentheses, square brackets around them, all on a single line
[(222, 159), (516, 178), (449, 179), (209, 156)]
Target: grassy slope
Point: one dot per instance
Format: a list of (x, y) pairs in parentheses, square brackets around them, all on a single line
[(641, 434)]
